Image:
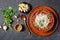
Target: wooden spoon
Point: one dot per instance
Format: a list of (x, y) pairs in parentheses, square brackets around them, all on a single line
[(23, 18)]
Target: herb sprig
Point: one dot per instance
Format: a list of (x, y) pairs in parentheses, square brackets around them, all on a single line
[(8, 13)]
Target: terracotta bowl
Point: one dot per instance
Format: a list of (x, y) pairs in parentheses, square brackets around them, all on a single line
[(36, 11)]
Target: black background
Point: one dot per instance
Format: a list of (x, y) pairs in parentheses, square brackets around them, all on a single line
[(13, 35)]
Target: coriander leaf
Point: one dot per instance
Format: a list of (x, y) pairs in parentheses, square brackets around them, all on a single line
[(42, 24), (7, 20), (10, 26), (49, 15), (10, 7), (42, 14), (14, 11)]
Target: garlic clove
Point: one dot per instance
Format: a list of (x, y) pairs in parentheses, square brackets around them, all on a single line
[(4, 23), (24, 11), (20, 9), (5, 28), (0, 26), (15, 16), (17, 20)]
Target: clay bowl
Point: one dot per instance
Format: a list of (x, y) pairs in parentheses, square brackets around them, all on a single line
[(18, 27), (37, 30)]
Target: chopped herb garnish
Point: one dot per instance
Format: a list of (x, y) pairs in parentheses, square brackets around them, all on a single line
[(42, 24), (42, 14), (49, 15)]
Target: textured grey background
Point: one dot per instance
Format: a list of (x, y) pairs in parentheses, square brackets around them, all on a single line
[(13, 35)]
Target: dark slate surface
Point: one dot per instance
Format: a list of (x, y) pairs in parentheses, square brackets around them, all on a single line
[(13, 35)]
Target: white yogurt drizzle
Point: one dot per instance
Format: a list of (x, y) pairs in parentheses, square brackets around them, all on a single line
[(42, 20)]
